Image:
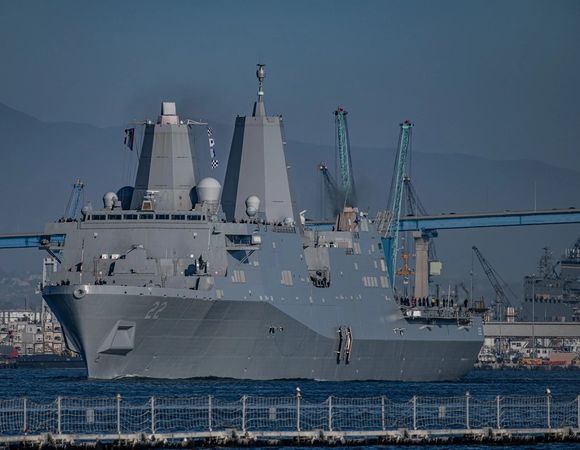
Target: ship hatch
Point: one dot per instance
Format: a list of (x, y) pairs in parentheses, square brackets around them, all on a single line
[(120, 340)]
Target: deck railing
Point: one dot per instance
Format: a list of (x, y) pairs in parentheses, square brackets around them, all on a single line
[(372, 415)]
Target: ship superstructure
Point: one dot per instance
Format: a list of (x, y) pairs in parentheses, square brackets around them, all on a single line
[(553, 294), (190, 281)]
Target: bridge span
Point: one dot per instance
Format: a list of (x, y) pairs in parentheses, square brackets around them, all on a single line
[(490, 219)]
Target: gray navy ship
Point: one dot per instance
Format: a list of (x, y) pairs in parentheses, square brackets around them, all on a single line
[(179, 278), (553, 295)]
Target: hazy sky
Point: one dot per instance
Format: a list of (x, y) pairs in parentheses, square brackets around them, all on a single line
[(498, 79)]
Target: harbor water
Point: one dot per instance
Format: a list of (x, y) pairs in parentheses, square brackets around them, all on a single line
[(47, 384), (50, 383)]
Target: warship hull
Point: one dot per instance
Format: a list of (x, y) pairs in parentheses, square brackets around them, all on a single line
[(160, 336)]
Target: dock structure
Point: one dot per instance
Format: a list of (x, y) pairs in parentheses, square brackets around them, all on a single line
[(250, 421), (529, 329)]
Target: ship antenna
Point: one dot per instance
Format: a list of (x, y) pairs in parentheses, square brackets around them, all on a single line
[(261, 74), (259, 109)]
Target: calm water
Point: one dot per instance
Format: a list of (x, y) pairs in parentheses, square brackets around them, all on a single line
[(49, 383)]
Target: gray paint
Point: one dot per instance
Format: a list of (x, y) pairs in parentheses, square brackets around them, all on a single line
[(201, 338), (165, 166), (258, 166), (190, 294)]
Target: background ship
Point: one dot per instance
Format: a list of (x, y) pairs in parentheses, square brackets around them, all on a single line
[(553, 294)]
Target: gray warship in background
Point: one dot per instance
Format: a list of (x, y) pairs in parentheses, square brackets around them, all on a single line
[(553, 294), (183, 279)]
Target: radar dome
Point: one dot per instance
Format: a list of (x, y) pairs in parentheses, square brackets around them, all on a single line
[(208, 190), (252, 205), (109, 200), (86, 209)]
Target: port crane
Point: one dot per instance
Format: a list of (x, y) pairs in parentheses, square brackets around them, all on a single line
[(414, 208), (341, 192), (404, 202), (74, 199), (423, 245), (343, 159), (391, 237), (413, 204), (329, 189), (497, 282)]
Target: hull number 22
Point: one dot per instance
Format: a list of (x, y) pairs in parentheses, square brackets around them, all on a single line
[(155, 310)]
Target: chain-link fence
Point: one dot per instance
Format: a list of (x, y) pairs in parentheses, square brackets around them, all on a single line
[(161, 415)]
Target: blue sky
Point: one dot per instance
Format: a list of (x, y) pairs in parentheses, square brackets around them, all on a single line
[(492, 79), (497, 79)]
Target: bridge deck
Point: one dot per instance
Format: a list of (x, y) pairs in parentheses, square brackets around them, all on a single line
[(490, 219), (30, 240)]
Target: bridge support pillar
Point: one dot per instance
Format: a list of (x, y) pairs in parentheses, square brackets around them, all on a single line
[(421, 264)]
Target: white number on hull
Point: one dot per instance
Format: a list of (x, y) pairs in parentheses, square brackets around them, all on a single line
[(157, 308), (161, 308)]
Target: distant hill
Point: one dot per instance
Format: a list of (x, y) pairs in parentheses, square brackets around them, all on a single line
[(41, 160), (18, 291)]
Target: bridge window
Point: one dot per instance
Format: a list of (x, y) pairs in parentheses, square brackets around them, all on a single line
[(98, 217), (145, 216), (130, 216), (178, 217), (162, 216), (114, 217), (239, 239)]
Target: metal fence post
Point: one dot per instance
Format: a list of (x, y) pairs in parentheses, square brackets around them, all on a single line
[(497, 408), (209, 412), (298, 397), (330, 413), (414, 412), (24, 418), (152, 415), (548, 404), (383, 412), (118, 398), (58, 415), (467, 410), (244, 414)]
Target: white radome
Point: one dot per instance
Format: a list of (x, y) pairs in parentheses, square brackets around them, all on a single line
[(208, 190), (109, 200), (252, 205)]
